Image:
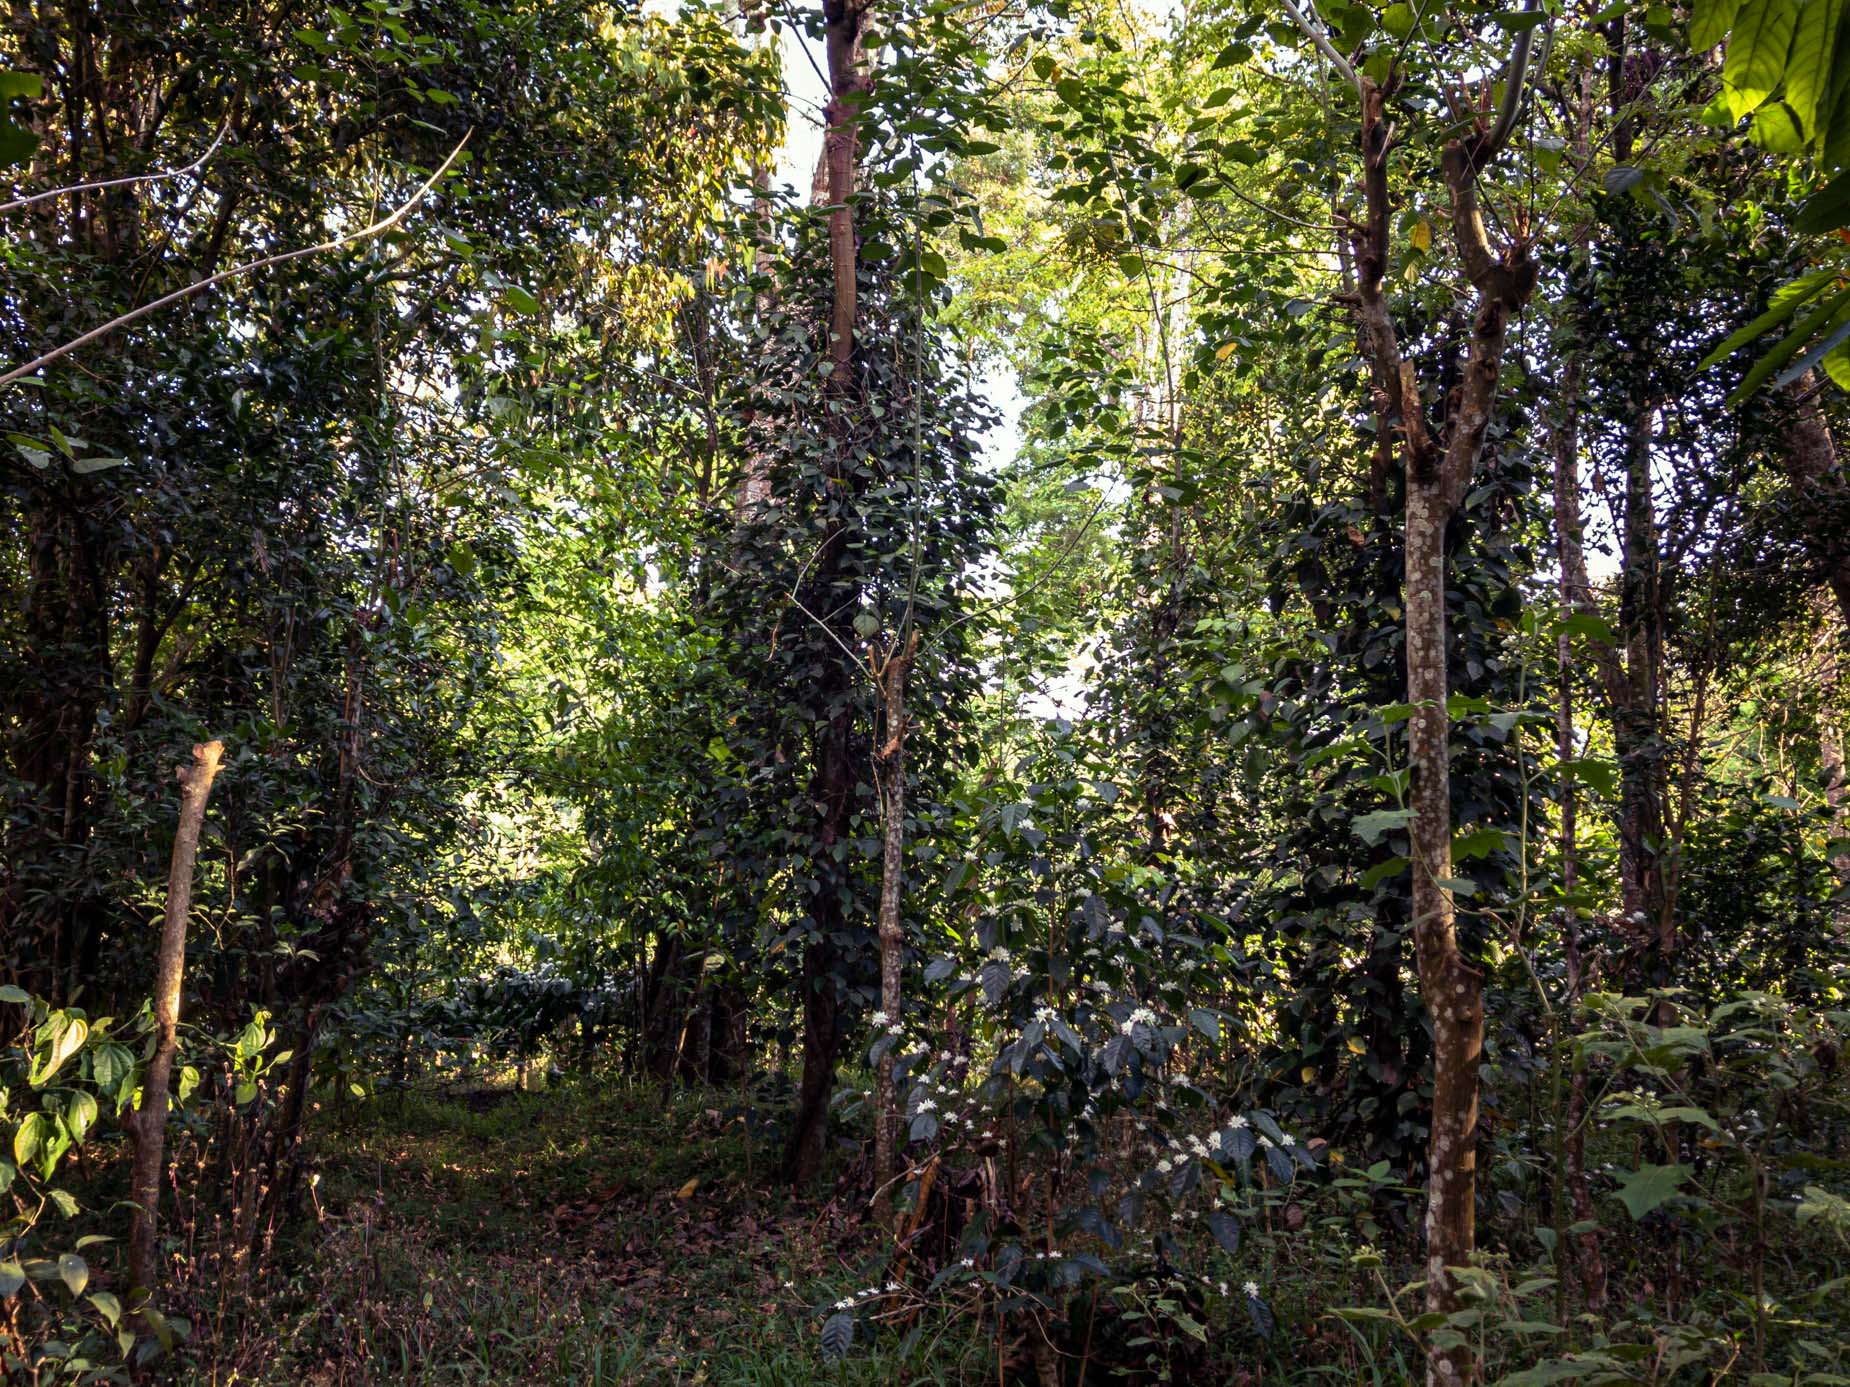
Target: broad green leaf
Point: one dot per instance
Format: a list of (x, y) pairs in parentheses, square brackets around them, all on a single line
[(12, 1277), (1813, 355), (28, 1137), (1710, 21), (519, 299), (79, 1113), (1370, 827), (1381, 871), (18, 997), (74, 1272), (1823, 318), (1756, 57), (1786, 301), (1808, 68), (1776, 129), (27, 84), (1649, 1186), (1827, 209)]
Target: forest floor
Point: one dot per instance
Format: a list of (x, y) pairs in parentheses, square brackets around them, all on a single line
[(577, 1236)]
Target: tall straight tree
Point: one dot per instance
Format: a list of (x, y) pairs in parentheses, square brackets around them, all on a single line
[(1439, 460), (835, 778)]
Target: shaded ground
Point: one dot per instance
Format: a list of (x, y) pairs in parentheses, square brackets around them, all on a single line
[(567, 1237)]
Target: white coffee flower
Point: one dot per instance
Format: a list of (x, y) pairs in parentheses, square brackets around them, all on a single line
[(1252, 1289), (1165, 1165), (881, 1020), (1290, 1140), (847, 1304), (999, 954), (926, 1105), (1237, 1123)]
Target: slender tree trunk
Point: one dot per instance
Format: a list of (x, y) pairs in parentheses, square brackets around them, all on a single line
[(1438, 466), (1812, 464), (149, 1127), (835, 775), (892, 934), (1575, 596)]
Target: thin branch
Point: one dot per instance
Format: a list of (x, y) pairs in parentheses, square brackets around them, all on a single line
[(364, 233), (1513, 78), (1324, 46), (193, 167)]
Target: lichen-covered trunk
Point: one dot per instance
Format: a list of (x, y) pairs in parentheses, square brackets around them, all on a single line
[(1637, 736), (1451, 988), (149, 1128), (835, 776), (892, 936), (1572, 1187)]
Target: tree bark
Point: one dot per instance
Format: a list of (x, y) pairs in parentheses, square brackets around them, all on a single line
[(1439, 465), (1811, 462), (149, 1128), (892, 935), (1576, 595), (835, 775)]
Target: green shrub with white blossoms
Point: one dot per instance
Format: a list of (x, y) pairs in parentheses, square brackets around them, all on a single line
[(1063, 1109)]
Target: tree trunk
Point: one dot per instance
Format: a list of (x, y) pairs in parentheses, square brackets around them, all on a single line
[(835, 776), (149, 1128), (1811, 463), (1439, 466), (892, 935), (1575, 596)]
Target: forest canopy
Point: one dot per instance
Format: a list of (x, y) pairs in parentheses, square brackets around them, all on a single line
[(992, 690)]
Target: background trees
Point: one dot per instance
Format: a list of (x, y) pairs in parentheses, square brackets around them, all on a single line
[(1235, 618)]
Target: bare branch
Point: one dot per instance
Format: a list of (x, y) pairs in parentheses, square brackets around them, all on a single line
[(133, 315), (1324, 46), (1513, 77), (193, 167)]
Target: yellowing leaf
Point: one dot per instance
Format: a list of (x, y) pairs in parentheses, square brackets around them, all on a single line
[(1421, 235), (1225, 350), (687, 1191)]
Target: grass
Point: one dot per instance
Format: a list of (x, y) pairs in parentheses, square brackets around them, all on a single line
[(574, 1236)]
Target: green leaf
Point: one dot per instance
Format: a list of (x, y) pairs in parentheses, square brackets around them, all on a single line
[(1649, 1186), (1823, 318), (1790, 298), (12, 1277), (18, 997), (74, 1272), (1710, 21), (1370, 827), (28, 1137), (1756, 57), (1776, 129), (1808, 68), (1826, 210), (837, 1334), (16, 144), (1381, 871), (1398, 19), (1478, 842), (26, 84), (519, 299), (84, 466), (79, 1113)]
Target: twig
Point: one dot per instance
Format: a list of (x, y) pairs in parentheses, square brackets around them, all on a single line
[(212, 148), (133, 315)]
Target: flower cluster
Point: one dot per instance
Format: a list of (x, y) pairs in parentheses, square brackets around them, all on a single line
[(1142, 1016)]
